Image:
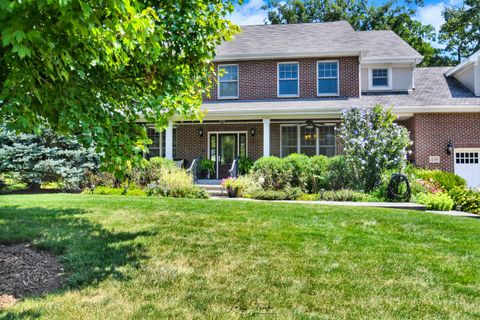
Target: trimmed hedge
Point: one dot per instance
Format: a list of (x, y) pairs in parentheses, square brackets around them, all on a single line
[(310, 174), (446, 180)]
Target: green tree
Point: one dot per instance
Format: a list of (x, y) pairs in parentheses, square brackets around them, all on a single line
[(461, 31), (373, 143), (94, 68), (36, 159), (363, 17)]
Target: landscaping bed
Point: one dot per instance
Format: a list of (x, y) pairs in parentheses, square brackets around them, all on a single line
[(25, 271)]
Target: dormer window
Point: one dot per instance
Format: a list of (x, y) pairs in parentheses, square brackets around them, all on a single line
[(228, 81), (380, 79), (327, 78), (287, 79)]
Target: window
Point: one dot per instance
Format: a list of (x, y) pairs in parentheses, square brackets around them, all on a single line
[(380, 78), (307, 140), (466, 157), (289, 140), (228, 82), (327, 78), (288, 79), (157, 148)]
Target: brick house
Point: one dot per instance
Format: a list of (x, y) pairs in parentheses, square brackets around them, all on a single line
[(280, 89)]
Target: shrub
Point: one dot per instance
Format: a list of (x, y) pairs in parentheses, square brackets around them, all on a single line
[(105, 179), (446, 180), (245, 164), (270, 195), (345, 195), (299, 167), (467, 200), (319, 169), (108, 191), (247, 185), (136, 192), (293, 193), (309, 197), (338, 174), (373, 143), (149, 171), (176, 182), (436, 201), (273, 173)]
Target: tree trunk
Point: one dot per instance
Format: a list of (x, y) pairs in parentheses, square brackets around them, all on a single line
[(35, 187)]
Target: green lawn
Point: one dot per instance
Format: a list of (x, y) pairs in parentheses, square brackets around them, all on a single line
[(137, 258)]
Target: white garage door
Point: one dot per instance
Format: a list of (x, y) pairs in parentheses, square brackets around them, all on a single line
[(467, 166)]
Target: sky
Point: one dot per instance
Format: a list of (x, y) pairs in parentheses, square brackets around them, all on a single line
[(251, 13)]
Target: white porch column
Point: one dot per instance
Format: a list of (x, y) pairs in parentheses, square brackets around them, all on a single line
[(266, 137), (169, 141)]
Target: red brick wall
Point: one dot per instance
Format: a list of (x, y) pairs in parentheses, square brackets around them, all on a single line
[(258, 78), (432, 132)]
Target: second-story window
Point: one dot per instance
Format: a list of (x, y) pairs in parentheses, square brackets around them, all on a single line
[(327, 82), (228, 81), (288, 79), (380, 77)]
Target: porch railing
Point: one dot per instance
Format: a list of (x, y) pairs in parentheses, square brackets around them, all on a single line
[(233, 172), (194, 168)]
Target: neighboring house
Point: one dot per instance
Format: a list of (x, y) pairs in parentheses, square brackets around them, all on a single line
[(276, 80)]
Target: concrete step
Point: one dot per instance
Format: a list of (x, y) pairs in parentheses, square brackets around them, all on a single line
[(214, 190)]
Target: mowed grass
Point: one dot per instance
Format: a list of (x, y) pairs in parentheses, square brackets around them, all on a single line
[(137, 258)]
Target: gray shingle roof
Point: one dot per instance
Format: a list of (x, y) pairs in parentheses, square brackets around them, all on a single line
[(433, 92), (385, 43), (312, 39)]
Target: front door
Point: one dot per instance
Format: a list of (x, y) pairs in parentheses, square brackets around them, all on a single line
[(224, 147), (227, 152)]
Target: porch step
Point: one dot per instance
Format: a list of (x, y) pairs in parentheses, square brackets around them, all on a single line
[(215, 190)]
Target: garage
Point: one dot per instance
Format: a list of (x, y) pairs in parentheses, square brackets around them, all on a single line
[(467, 166)]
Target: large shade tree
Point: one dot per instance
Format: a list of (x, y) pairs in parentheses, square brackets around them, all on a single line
[(363, 16), (93, 68), (461, 31)]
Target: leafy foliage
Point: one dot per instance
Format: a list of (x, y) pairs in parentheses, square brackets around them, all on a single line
[(467, 200), (37, 159), (374, 143), (447, 180), (391, 15), (346, 195), (90, 68), (436, 201), (245, 164), (461, 31)]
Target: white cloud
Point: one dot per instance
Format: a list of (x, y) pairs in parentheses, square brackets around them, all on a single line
[(249, 13), (431, 14)]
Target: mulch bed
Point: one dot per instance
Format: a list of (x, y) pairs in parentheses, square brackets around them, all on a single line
[(25, 271)]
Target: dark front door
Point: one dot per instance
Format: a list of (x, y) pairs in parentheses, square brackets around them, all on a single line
[(227, 152)]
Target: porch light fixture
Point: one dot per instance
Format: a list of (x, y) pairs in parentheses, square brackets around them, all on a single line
[(200, 132), (449, 147), (252, 132)]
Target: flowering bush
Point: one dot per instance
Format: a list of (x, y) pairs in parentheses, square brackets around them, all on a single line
[(373, 143), (229, 183)]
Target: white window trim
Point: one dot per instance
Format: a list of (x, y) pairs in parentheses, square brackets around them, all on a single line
[(298, 81), (338, 79), (317, 142), (237, 81), (371, 87), (160, 141)]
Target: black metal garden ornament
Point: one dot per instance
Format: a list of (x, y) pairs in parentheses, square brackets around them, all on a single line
[(399, 188)]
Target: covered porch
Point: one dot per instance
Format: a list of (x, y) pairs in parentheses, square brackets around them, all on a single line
[(223, 141)]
